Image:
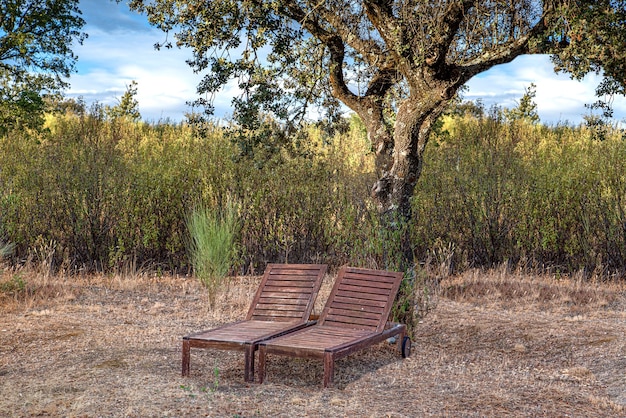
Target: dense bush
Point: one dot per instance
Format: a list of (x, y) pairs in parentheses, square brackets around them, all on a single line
[(94, 193), (541, 197), (90, 192)]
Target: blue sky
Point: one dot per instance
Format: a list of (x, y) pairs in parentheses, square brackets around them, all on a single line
[(120, 49)]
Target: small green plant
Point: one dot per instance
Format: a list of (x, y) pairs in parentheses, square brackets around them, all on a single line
[(216, 382), (212, 244), (194, 392), (6, 249), (189, 391), (14, 286), (216, 379)]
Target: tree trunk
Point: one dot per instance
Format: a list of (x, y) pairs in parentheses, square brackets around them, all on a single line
[(393, 192), (394, 189)]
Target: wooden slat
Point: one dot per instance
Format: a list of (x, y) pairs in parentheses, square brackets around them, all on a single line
[(307, 284), (283, 301), (275, 289), (365, 290), (316, 337), (275, 314), (354, 317), (362, 296), (354, 313), (277, 307), (274, 318), (332, 332), (283, 282), (285, 295), (361, 307), (352, 320), (240, 331), (309, 276), (373, 276), (293, 271), (358, 301), (368, 283)]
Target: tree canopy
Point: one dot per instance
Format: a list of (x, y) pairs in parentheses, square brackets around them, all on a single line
[(36, 38), (356, 50), (395, 63)]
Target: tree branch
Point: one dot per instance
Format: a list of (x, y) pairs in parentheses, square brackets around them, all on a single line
[(381, 16), (336, 47), (504, 53), (449, 27), (368, 49)]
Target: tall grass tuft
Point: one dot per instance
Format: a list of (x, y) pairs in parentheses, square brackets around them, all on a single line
[(212, 245)]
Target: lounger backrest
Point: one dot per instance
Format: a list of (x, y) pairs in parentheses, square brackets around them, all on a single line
[(287, 292), (361, 299)]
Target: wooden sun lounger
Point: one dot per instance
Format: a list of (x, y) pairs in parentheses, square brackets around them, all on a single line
[(355, 317), (282, 304)]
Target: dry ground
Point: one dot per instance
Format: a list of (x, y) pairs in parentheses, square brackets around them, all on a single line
[(497, 344)]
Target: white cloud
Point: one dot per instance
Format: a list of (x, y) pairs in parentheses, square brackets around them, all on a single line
[(559, 99), (108, 62)]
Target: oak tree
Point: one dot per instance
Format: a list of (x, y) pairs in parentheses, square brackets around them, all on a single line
[(396, 63), (36, 58)]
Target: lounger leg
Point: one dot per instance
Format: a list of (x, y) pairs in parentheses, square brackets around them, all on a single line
[(186, 356), (329, 369), (400, 339), (262, 354), (248, 373)]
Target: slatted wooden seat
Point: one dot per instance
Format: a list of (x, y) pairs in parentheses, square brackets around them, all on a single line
[(354, 317), (282, 304)]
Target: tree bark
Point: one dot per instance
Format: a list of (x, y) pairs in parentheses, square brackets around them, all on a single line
[(394, 189)]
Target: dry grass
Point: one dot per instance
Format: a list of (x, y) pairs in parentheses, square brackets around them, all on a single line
[(515, 290), (497, 344)]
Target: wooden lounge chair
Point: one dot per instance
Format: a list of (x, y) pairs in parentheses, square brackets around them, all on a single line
[(282, 304), (354, 317)]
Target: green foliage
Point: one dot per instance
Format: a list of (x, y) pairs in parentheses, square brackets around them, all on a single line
[(128, 106), (542, 197), (396, 64), (273, 64), (13, 287), (80, 185), (97, 193), (527, 108), (21, 105), (106, 192), (285, 54), (212, 245), (38, 36), (35, 56), (6, 249), (589, 37)]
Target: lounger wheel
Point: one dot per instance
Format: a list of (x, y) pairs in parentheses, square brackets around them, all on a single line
[(406, 347)]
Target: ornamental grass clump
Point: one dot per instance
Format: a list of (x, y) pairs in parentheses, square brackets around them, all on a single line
[(212, 245)]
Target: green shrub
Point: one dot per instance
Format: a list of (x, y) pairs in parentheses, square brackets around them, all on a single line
[(102, 193), (519, 193), (6, 249)]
